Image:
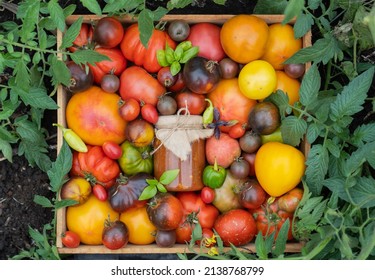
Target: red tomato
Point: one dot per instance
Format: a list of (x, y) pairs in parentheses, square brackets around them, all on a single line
[(236, 227), (100, 192), (207, 195), (237, 131), (133, 49), (84, 37), (136, 83), (116, 64), (149, 113), (194, 102), (70, 239), (184, 231), (207, 37), (232, 104), (95, 165), (192, 203), (112, 149), (129, 109), (179, 84)]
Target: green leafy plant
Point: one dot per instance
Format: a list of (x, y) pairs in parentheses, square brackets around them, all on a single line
[(155, 185)]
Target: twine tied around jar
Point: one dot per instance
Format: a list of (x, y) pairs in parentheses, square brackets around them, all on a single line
[(177, 132)]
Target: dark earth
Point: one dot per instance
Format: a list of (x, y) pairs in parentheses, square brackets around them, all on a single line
[(19, 182)]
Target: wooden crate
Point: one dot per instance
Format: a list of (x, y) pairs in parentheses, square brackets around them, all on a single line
[(62, 99)]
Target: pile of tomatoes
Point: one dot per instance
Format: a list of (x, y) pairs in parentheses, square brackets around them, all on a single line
[(223, 73)]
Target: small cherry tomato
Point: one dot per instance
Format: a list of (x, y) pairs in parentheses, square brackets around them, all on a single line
[(70, 239), (112, 150), (100, 192), (207, 195), (110, 83), (237, 131), (129, 109), (149, 113)]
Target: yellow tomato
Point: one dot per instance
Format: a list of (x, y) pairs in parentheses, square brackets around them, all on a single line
[(244, 38), (76, 188), (141, 229), (288, 85), (87, 219), (279, 167), (281, 45), (257, 79)]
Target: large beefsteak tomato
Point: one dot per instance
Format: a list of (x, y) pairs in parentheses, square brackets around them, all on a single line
[(230, 102), (115, 65), (95, 166), (135, 51), (136, 83), (93, 114)]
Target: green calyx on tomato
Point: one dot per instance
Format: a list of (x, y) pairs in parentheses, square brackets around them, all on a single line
[(136, 159), (214, 175)]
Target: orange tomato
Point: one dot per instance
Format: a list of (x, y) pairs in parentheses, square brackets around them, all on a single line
[(93, 114), (288, 85), (281, 45), (232, 104), (87, 219), (141, 229), (244, 38)]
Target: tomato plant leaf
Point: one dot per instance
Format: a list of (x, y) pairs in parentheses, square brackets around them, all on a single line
[(361, 30), (281, 100), (314, 4), (313, 131), (57, 14), (6, 149), (270, 7), (60, 72), (65, 203), (87, 56), (196, 234), (363, 134), (359, 157), (282, 237), (293, 9), (352, 97), (303, 25), (293, 129), (36, 97), (93, 6), (71, 34), (260, 246), (28, 11), (168, 176), (159, 13), (310, 86), (22, 75), (317, 167), (43, 201), (220, 2), (322, 50), (60, 168), (178, 4), (146, 26), (148, 192), (238, 253), (36, 235), (333, 148)]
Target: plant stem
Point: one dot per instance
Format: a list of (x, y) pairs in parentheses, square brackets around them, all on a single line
[(23, 46)]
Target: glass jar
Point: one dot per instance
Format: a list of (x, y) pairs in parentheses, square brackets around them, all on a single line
[(180, 144)]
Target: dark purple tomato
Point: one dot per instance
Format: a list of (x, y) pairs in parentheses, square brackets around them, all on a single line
[(178, 30), (294, 70), (229, 68), (115, 235), (252, 195), (264, 118), (110, 83), (80, 79), (166, 105), (108, 32), (165, 238), (240, 168), (250, 142), (201, 75)]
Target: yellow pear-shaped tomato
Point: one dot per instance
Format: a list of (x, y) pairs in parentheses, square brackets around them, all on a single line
[(141, 229), (93, 114), (279, 167), (87, 220)]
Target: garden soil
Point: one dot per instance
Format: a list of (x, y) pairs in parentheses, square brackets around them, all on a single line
[(19, 182)]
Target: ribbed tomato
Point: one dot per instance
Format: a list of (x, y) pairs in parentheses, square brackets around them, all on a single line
[(133, 49)]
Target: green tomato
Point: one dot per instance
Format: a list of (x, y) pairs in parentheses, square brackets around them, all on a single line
[(275, 136), (136, 159)]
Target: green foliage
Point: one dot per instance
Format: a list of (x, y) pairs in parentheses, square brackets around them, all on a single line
[(154, 185)]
